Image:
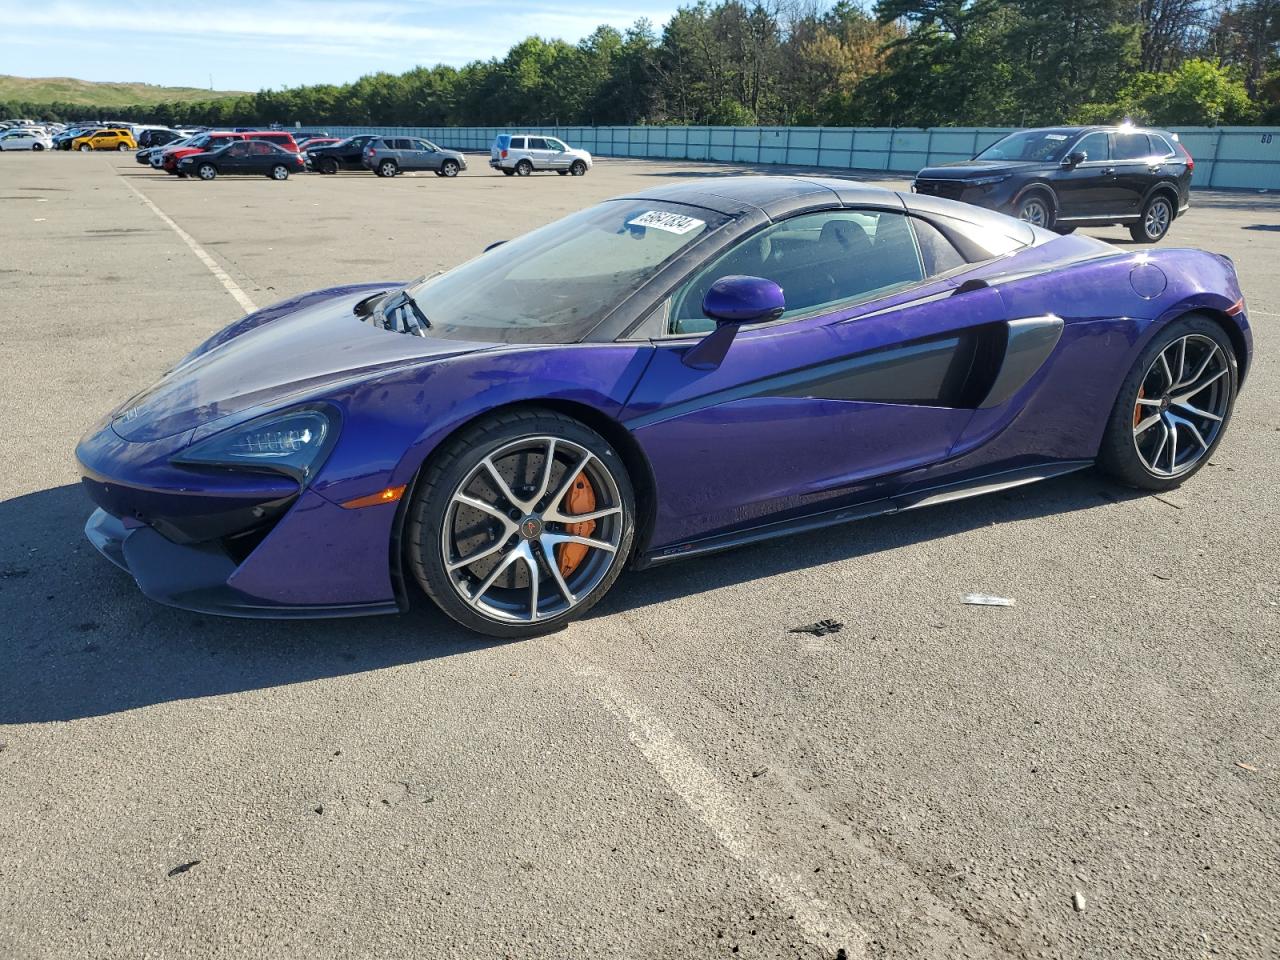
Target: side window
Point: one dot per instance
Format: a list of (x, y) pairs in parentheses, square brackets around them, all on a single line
[(261, 149), (517, 143), (238, 150), (553, 144), (936, 251), (1096, 146), (1132, 146), (400, 143), (1160, 146), (820, 260), (537, 143)]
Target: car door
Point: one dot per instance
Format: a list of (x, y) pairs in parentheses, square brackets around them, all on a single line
[(262, 157), (557, 154), (236, 158), (1133, 173), (872, 373), (1084, 190), (539, 153), (425, 157)]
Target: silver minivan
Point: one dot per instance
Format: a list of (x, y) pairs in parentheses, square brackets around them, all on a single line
[(521, 154)]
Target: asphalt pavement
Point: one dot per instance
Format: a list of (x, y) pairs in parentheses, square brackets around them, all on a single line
[(1091, 773)]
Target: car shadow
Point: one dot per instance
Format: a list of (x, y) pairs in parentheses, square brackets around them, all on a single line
[(82, 641)]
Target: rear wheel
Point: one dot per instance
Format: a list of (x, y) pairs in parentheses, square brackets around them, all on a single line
[(207, 171), (327, 165), (449, 168), (279, 172), (1174, 406), (1064, 231), (387, 168), (1157, 217), (578, 169), (524, 168), (521, 523)]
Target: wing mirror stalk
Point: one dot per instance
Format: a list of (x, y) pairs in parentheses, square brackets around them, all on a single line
[(731, 302)]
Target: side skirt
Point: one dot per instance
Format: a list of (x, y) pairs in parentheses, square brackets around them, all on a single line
[(911, 500)]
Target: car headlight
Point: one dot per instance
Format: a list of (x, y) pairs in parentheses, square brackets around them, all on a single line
[(987, 181), (293, 442)]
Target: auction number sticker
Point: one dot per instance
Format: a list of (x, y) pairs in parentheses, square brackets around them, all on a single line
[(676, 223), (1055, 136)]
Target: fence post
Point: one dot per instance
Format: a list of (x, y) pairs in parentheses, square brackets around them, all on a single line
[(928, 149), (853, 142), (1213, 163), (888, 164)]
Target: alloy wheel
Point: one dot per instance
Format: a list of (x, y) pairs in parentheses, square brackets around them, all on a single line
[(1182, 403), (207, 172), (1156, 221), (1035, 211), (514, 547)]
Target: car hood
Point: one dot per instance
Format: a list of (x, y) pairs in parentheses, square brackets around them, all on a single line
[(971, 169), (303, 351)]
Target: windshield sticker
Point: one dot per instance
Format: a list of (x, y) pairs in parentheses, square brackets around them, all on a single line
[(676, 223), (1055, 136)]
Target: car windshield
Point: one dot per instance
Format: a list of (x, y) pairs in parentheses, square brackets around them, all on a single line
[(1029, 145), (556, 284)]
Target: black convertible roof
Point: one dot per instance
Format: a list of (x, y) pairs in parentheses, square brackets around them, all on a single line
[(770, 194)]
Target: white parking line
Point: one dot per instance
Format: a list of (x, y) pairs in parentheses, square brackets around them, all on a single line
[(715, 806), (231, 286)]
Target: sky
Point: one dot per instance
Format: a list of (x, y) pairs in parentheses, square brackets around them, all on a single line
[(248, 45)]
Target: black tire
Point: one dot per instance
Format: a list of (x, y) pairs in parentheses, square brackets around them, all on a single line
[(1036, 207), (207, 171), (508, 173), (563, 173), (524, 168), (1064, 231), (1157, 218), (85, 148), (122, 147), (578, 168), (387, 168), (37, 147), (449, 168), (327, 165), (1118, 455), (279, 172), (450, 467)]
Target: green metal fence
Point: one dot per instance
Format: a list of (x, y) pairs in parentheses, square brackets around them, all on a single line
[(1226, 157)]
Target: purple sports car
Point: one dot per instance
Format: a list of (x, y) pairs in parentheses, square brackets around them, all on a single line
[(662, 375)]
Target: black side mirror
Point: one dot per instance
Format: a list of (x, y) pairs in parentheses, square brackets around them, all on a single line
[(1075, 159), (731, 302)]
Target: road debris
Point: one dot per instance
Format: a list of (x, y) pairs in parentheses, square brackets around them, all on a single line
[(987, 600), (1246, 766), (1078, 901), (183, 867), (820, 629)]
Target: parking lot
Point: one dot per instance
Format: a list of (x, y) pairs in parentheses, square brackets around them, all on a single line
[(1089, 773)]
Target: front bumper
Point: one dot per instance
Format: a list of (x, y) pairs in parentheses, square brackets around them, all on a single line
[(196, 577), (234, 543)]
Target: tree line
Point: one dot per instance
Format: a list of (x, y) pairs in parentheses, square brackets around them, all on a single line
[(897, 63)]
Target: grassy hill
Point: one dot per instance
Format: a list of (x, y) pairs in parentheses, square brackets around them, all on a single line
[(89, 93)]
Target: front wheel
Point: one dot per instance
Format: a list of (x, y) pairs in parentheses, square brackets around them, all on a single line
[(85, 148), (37, 147), (449, 168), (279, 172), (328, 165), (207, 171), (1173, 407), (122, 147), (1036, 210), (578, 169), (1157, 217), (521, 523)]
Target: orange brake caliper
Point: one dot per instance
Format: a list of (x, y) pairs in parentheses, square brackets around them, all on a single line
[(1137, 407), (581, 498)]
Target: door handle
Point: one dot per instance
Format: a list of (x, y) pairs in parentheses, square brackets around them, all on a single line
[(1108, 171)]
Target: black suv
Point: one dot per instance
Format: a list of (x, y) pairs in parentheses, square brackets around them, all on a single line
[(1068, 177), (346, 154)]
